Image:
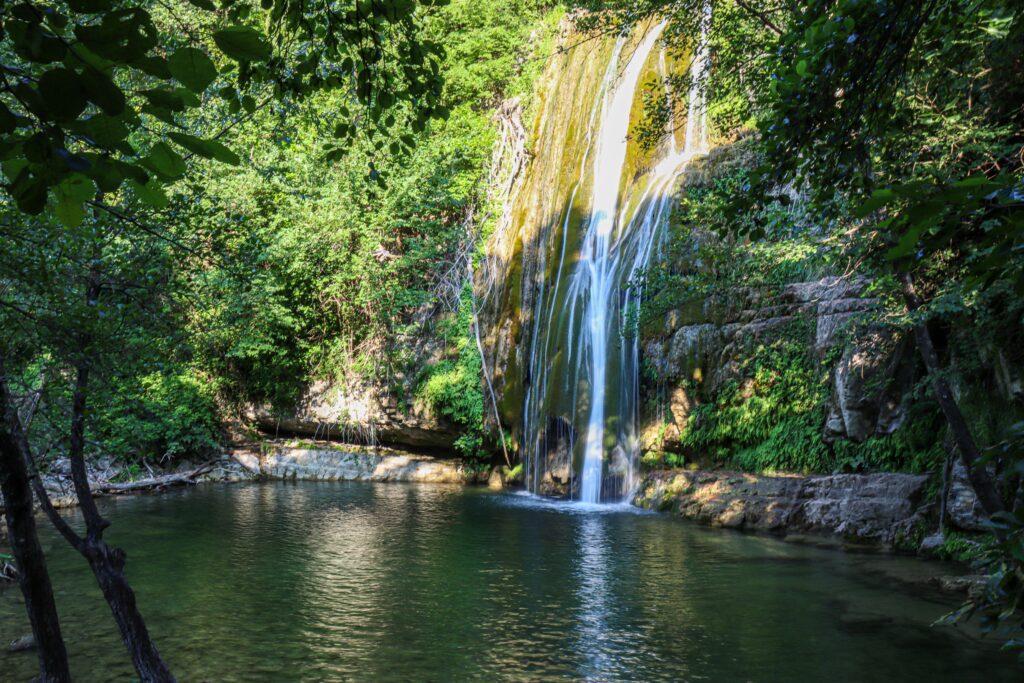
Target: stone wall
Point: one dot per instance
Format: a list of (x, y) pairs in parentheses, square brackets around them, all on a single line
[(885, 508)]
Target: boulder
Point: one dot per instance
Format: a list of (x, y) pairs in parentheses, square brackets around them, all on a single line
[(930, 544), (868, 385), (496, 480)]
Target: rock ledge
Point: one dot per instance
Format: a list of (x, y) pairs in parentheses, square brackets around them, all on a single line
[(883, 508), (329, 464)]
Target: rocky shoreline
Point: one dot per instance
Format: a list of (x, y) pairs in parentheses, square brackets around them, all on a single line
[(880, 512), (268, 462), (883, 511), (319, 463), (880, 508)]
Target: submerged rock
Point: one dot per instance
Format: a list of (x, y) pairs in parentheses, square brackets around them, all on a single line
[(22, 644)]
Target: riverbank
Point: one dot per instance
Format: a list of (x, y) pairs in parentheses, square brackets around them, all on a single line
[(289, 460), (882, 512)]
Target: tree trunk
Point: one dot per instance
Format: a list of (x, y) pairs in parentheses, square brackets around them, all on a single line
[(108, 566), (33, 576), (107, 563), (984, 488)]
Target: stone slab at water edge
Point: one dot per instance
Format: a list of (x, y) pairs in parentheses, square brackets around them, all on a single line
[(331, 464), (280, 462), (883, 508)]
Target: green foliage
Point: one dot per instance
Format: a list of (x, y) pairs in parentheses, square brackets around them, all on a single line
[(769, 416), (319, 277), (704, 259), (453, 388), (656, 460), (1002, 558), (961, 548), (160, 416), (514, 474), (89, 95)]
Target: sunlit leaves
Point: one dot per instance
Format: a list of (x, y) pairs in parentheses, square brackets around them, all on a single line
[(151, 193), (99, 89), (71, 194), (163, 160)]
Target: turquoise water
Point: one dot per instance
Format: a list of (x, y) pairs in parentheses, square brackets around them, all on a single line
[(392, 582)]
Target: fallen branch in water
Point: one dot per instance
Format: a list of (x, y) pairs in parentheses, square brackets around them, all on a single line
[(154, 483)]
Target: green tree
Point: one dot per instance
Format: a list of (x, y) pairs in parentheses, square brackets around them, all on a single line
[(103, 105)]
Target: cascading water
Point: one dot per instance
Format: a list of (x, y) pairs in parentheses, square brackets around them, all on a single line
[(581, 375)]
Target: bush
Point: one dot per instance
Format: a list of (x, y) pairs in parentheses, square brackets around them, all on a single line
[(453, 387), (160, 415)]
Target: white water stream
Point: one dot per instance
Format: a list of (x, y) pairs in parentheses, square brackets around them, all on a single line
[(619, 234)]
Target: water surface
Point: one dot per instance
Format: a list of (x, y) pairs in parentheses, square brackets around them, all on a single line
[(360, 581)]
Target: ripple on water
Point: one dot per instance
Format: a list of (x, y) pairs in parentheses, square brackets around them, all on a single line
[(361, 581)]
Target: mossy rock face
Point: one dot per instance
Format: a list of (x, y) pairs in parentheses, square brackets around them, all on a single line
[(691, 311)]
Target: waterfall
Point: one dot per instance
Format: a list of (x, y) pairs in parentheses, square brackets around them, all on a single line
[(581, 383)]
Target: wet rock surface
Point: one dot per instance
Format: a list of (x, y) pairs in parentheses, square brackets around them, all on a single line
[(883, 508)]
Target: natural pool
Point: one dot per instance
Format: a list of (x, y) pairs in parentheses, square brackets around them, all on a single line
[(359, 581)]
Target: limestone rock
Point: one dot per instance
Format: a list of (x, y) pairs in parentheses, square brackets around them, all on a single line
[(496, 480), (330, 464), (883, 508), (357, 410), (860, 408), (703, 338), (930, 544)]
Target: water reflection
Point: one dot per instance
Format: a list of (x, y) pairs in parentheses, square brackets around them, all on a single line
[(386, 582), (592, 594)]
